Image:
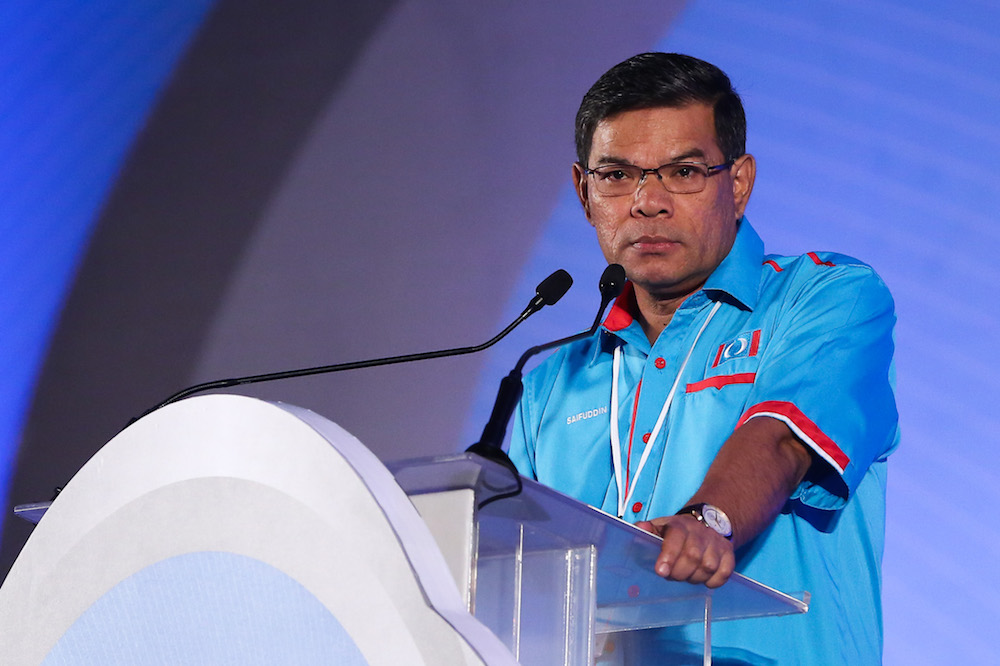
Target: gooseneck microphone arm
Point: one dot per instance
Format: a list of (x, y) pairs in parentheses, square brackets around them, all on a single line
[(549, 290), (511, 386)]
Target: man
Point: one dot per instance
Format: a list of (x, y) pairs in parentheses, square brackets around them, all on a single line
[(744, 405)]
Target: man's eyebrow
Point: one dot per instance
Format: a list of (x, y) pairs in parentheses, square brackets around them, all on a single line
[(687, 155), (611, 159), (694, 152)]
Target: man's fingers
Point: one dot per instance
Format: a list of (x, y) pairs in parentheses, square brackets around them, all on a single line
[(693, 553), (723, 572), (648, 527), (670, 550), (704, 570), (691, 560)]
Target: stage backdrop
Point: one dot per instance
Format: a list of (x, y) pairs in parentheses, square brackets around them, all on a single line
[(192, 189)]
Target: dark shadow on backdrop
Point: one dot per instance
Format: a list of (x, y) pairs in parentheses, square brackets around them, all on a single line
[(238, 107)]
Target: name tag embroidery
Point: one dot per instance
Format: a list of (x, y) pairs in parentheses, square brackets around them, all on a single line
[(589, 414)]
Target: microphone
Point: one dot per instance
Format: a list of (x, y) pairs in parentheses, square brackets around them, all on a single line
[(548, 292), (490, 443)]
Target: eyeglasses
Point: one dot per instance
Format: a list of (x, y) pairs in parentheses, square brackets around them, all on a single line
[(615, 180)]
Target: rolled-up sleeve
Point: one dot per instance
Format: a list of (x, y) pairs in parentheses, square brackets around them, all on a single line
[(827, 374)]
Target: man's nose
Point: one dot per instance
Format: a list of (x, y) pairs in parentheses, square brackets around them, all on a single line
[(651, 197)]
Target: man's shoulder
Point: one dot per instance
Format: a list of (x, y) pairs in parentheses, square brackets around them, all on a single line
[(815, 261), (572, 357), (818, 267), (819, 279)]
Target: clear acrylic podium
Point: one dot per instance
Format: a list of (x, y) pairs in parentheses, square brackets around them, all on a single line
[(556, 580), (224, 527)]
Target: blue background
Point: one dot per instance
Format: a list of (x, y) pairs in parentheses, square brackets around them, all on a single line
[(873, 124)]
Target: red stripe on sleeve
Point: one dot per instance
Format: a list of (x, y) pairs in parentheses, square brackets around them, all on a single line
[(773, 264), (722, 380), (800, 423)]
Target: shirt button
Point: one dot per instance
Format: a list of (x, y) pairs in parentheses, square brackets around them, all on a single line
[(637, 507), (645, 438), (660, 363)]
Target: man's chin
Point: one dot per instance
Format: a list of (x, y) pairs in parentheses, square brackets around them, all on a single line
[(665, 286), (653, 279)]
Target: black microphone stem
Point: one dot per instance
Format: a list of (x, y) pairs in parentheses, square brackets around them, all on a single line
[(549, 290), (491, 442)]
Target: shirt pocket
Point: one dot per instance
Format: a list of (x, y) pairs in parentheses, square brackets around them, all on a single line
[(733, 376), (731, 364)]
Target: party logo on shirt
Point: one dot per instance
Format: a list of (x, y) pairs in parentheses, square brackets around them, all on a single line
[(742, 346)]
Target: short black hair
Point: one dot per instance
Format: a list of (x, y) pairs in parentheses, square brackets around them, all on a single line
[(649, 80)]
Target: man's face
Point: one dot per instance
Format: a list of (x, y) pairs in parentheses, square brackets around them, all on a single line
[(668, 243)]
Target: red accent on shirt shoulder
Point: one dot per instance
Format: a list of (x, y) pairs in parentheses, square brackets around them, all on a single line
[(773, 264), (818, 261)]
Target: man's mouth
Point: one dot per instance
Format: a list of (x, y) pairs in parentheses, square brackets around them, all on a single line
[(653, 243)]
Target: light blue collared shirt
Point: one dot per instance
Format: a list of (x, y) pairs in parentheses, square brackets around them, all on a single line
[(806, 340)]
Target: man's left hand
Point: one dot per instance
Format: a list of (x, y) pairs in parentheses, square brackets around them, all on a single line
[(691, 551)]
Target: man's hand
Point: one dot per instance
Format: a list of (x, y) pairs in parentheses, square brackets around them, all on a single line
[(691, 551), (752, 476)]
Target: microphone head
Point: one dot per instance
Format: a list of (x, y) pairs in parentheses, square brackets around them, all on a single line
[(552, 288), (612, 282)]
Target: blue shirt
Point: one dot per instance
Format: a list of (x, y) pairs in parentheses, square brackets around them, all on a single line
[(806, 340)]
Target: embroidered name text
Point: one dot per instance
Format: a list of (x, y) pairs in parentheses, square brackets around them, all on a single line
[(589, 414)]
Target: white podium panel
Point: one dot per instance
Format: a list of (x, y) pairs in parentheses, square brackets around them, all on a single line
[(223, 529)]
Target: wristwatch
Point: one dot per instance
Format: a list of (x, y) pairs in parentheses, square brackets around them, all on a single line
[(710, 516)]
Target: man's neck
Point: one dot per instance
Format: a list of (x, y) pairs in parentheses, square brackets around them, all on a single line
[(656, 311)]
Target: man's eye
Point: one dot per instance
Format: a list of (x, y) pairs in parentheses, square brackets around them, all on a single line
[(686, 172), (615, 175)]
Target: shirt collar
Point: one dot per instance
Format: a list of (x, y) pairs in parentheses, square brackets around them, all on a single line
[(621, 323), (623, 310), (739, 273)]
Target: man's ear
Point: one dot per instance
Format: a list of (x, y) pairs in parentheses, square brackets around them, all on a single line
[(744, 171), (580, 182)]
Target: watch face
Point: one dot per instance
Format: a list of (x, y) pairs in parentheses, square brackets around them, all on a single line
[(717, 520)]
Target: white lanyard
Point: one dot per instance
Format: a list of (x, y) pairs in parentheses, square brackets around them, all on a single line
[(616, 449)]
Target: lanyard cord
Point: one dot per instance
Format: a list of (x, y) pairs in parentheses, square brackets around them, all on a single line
[(626, 489), (631, 433)]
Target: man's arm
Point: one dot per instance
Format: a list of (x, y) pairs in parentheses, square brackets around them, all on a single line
[(751, 478)]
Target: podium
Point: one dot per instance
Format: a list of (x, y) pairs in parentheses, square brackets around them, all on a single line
[(225, 529)]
